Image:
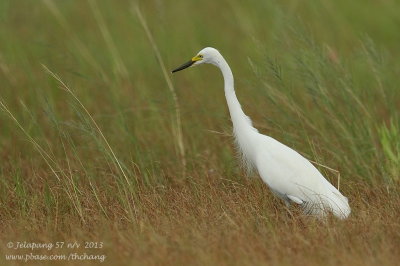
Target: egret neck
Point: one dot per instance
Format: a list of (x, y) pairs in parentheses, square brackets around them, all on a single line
[(242, 126)]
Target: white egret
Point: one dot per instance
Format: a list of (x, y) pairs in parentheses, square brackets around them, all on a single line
[(288, 174)]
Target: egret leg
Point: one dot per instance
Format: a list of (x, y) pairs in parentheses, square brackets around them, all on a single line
[(287, 207)]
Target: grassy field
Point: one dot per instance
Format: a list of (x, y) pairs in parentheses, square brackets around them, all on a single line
[(98, 144)]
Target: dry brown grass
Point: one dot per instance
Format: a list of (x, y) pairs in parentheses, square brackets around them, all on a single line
[(214, 221)]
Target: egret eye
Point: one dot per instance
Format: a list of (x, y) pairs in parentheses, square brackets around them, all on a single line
[(200, 56)]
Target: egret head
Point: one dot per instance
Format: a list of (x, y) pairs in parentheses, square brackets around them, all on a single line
[(208, 55)]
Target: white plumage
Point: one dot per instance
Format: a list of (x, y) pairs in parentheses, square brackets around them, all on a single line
[(288, 174)]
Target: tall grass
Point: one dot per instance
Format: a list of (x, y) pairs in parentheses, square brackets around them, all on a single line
[(92, 152)]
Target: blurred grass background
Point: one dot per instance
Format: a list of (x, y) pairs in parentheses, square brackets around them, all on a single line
[(319, 76)]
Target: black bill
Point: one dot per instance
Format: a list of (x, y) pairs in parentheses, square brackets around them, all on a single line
[(185, 65)]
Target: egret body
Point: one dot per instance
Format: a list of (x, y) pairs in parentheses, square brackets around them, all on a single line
[(288, 174)]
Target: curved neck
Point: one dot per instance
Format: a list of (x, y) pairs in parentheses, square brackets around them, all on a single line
[(242, 127), (228, 77), (239, 119)]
